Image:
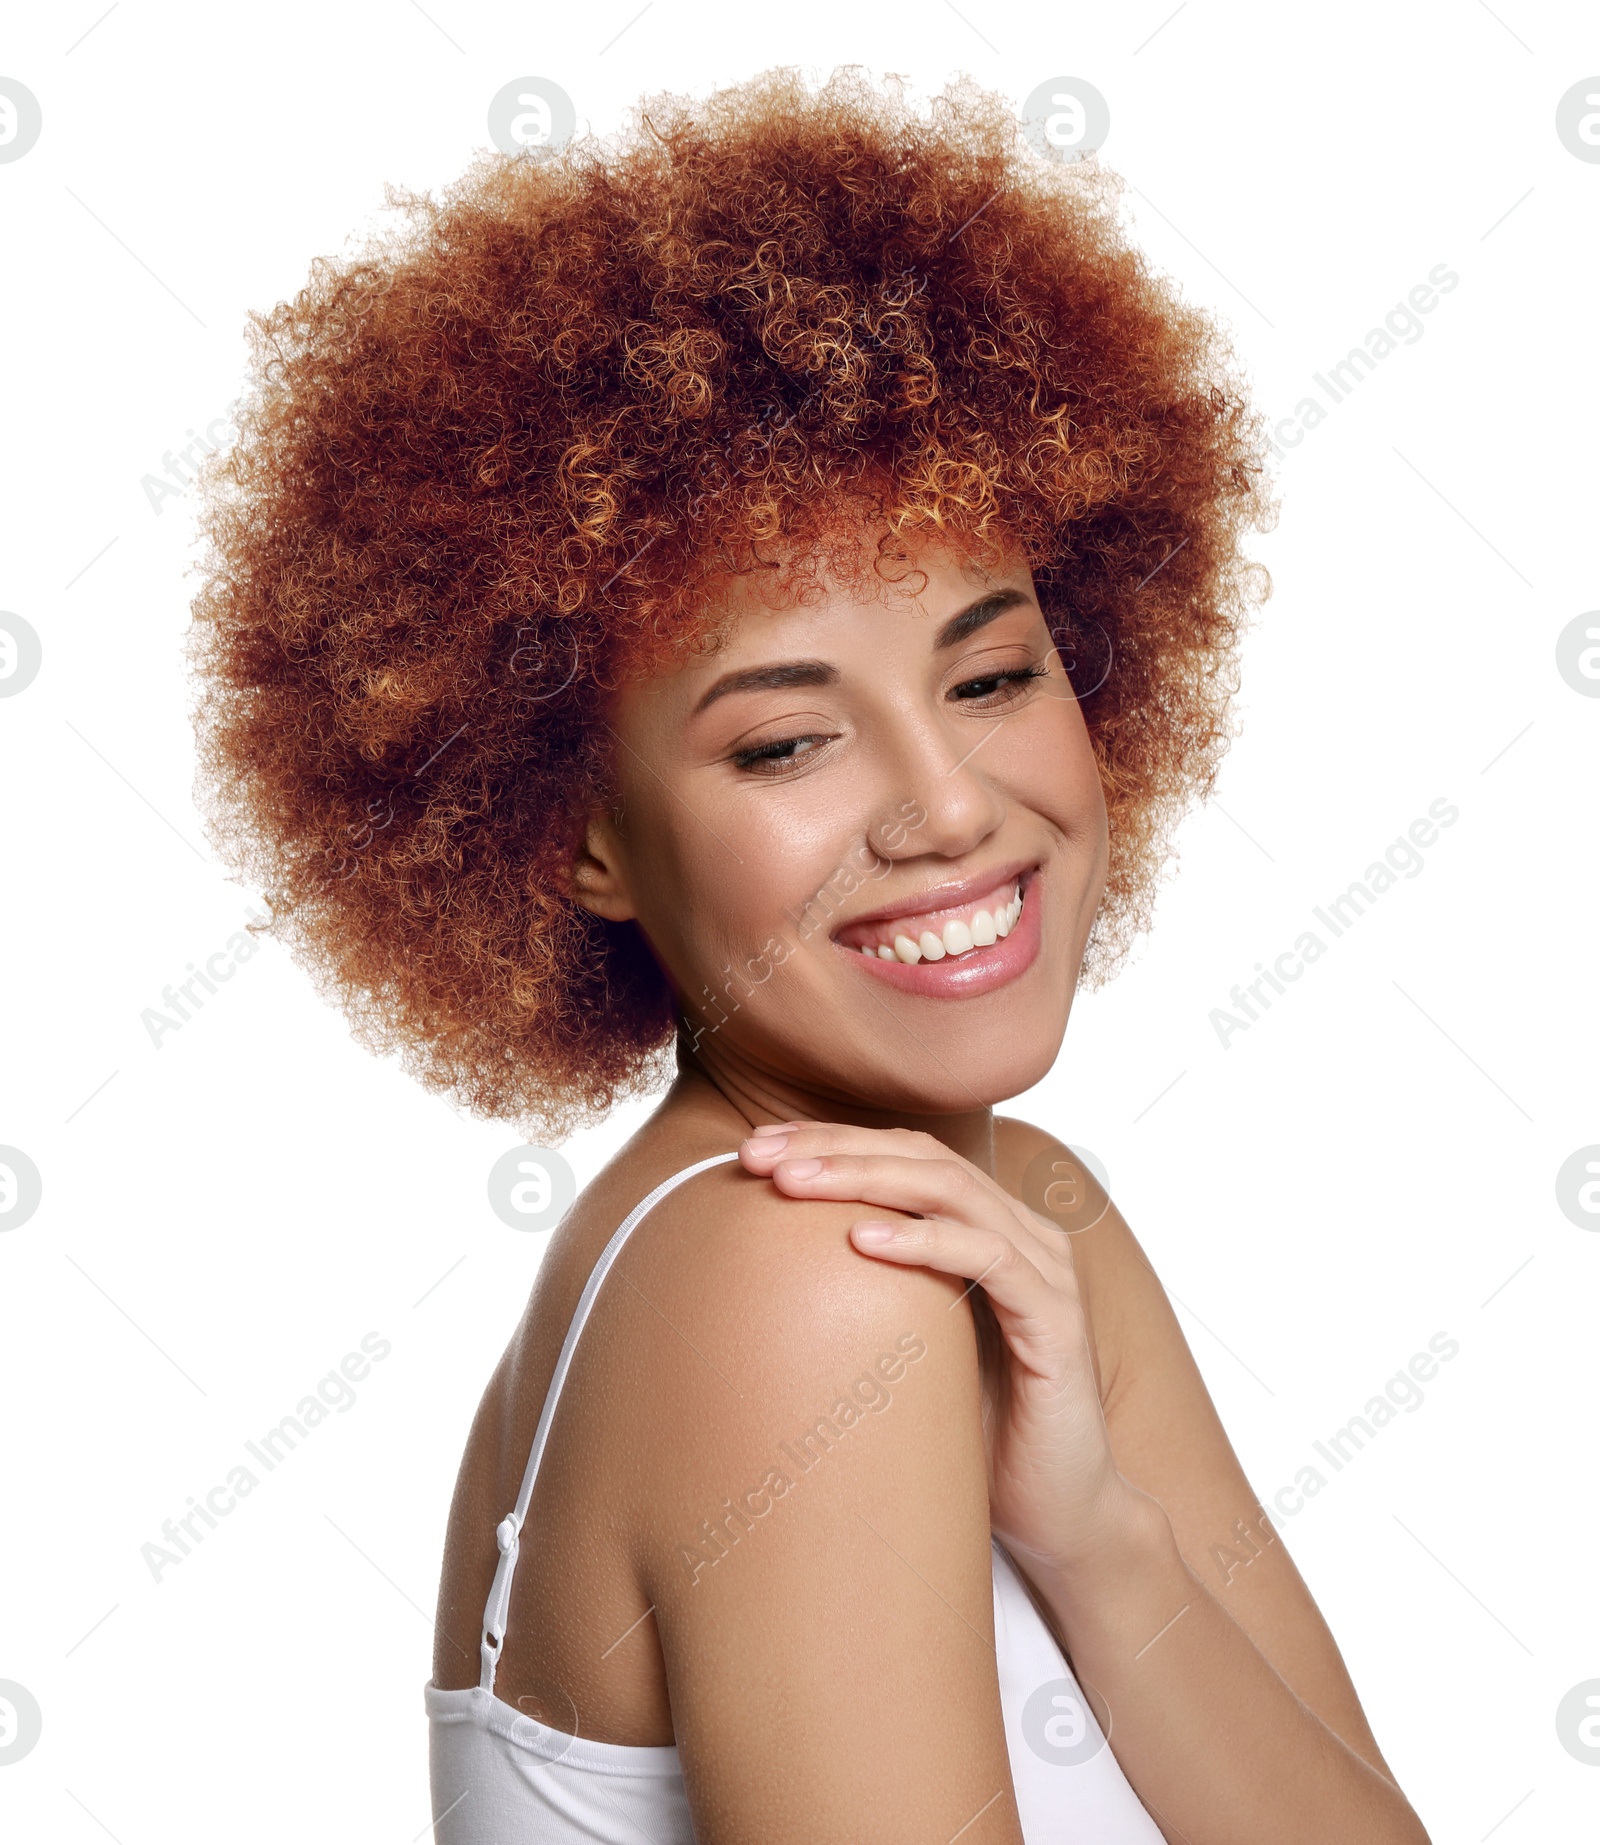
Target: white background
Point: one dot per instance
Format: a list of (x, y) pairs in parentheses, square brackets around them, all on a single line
[(1371, 1163)]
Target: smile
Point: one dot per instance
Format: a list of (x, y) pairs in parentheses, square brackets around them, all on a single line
[(932, 936), (960, 940)]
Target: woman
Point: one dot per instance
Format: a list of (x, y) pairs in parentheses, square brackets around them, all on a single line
[(743, 607)]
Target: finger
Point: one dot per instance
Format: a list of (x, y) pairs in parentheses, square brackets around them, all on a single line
[(830, 1140), (949, 1187), (817, 1139), (902, 1181), (825, 1140), (1035, 1314)]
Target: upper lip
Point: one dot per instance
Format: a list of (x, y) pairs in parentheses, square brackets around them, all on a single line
[(945, 896)]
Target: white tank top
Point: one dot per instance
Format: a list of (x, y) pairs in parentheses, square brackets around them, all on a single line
[(500, 1778)]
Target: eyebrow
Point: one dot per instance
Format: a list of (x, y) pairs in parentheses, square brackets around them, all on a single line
[(788, 673), (978, 615)]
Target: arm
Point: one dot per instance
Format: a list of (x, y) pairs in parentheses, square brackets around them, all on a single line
[(824, 1605), (1213, 1738), (1240, 1721)]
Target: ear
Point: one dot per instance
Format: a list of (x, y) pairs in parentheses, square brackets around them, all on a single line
[(598, 874)]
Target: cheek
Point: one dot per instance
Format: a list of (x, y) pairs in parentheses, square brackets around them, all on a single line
[(1089, 800), (741, 888), (804, 861), (1051, 769)]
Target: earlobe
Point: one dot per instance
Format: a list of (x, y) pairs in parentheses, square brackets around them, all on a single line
[(596, 877)]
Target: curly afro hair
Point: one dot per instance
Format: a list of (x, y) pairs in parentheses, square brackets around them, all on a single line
[(487, 466)]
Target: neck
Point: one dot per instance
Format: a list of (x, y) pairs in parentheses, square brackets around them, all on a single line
[(749, 1096)]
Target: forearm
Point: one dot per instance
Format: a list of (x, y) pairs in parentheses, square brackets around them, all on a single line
[(1214, 1741)]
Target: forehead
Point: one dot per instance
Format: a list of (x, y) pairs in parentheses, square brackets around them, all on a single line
[(851, 597), (808, 600)]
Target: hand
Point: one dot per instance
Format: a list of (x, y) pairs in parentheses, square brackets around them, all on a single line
[(1056, 1498)]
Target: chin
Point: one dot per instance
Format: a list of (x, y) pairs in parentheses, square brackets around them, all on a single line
[(963, 1068)]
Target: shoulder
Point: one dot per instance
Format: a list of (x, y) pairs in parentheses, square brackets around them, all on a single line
[(754, 1346), (1115, 1278), (808, 1513), (1047, 1174), (1062, 1185), (749, 1307), (729, 1248)]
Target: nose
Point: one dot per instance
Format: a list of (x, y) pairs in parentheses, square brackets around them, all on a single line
[(954, 805)]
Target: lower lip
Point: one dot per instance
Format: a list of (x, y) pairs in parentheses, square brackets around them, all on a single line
[(964, 976)]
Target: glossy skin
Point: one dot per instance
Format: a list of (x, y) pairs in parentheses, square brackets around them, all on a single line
[(921, 765), (830, 1674)]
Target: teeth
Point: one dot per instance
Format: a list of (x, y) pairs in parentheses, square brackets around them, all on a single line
[(956, 938)]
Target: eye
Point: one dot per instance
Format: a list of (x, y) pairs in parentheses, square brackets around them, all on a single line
[(998, 688), (774, 758)]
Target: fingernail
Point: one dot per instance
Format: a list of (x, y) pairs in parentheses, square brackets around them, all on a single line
[(801, 1169), (768, 1143), (772, 1127), (873, 1233)]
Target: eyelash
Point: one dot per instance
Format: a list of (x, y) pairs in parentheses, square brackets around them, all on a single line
[(765, 760)]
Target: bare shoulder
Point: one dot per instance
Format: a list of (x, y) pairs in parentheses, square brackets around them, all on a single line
[(756, 1318), (1115, 1278), (809, 1520), (1159, 1414)]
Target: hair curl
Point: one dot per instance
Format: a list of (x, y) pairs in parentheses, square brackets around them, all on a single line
[(486, 466)]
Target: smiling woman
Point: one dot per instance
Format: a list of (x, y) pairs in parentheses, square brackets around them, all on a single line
[(740, 608), (809, 729)]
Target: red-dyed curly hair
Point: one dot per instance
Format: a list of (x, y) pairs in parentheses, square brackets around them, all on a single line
[(486, 468)]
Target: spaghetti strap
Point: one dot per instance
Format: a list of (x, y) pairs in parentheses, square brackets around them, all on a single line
[(507, 1532)]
